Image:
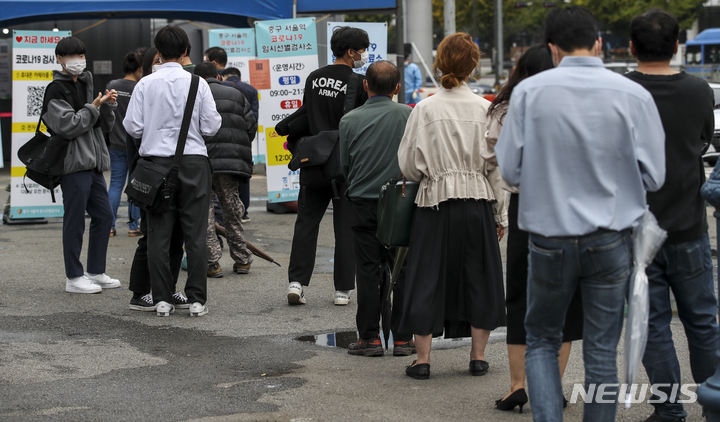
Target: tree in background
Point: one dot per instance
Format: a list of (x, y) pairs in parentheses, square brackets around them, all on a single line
[(615, 15)]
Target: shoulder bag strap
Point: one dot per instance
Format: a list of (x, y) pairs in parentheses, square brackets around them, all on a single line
[(351, 95), (187, 116)]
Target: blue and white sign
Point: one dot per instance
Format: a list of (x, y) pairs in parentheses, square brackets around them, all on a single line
[(378, 34)]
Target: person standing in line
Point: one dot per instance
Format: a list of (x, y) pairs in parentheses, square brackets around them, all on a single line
[(322, 109), (231, 77), (187, 64), (454, 270), (369, 140), (413, 81), (684, 264), (72, 111), (230, 154), (142, 299), (155, 114), (119, 163), (535, 60), (583, 172)]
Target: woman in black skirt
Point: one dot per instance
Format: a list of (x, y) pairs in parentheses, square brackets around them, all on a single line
[(533, 61), (454, 281)]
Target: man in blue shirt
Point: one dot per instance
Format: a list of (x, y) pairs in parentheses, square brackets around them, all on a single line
[(584, 144), (413, 82)]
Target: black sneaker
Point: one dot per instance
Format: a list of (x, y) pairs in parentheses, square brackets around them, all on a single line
[(656, 418), (366, 348), (403, 348), (180, 301), (143, 303)]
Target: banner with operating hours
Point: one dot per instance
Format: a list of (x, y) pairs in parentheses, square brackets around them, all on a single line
[(33, 62), (287, 54), (378, 34)]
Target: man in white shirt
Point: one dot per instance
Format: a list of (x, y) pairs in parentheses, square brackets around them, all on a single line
[(155, 114)]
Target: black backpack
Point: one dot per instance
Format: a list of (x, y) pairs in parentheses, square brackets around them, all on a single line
[(319, 155), (44, 158)]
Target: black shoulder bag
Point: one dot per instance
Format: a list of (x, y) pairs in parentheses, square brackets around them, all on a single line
[(152, 185), (44, 158), (319, 155)]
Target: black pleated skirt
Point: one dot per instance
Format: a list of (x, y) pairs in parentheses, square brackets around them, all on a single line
[(454, 271), (517, 275)]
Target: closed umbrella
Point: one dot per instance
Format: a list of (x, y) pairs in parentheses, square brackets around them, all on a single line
[(255, 251), (648, 238)]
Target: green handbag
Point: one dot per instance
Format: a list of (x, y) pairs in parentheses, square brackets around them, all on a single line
[(396, 209)]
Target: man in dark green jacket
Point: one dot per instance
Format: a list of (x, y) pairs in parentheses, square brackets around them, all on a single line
[(369, 140)]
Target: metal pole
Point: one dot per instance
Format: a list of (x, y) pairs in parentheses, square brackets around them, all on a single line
[(400, 46), (449, 17), (499, 59), (427, 69)]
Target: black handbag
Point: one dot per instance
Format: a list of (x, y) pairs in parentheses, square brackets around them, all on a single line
[(152, 185), (319, 155), (396, 210), (44, 159)]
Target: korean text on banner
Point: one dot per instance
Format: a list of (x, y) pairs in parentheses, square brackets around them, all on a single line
[(239, 44), (378, 34), (287, 54), (33, 60)]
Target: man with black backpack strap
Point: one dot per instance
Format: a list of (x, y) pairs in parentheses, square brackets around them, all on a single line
[(155, 115), (73, 112), (323, 107)]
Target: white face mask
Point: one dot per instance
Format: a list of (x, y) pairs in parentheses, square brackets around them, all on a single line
[(363, 59), (74, 67), (156, 67)]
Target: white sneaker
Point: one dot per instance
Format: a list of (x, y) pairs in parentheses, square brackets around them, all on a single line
[(103, 281), (164, 308), (342, 297), (197, 309), (295, 294), (81, 285)]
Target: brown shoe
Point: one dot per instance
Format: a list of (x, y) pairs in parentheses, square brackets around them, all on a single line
[(113, 233), (214, 271), (241, 268), (134, 233)]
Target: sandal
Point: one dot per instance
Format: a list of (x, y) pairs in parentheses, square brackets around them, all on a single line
[(113, 233), (134, 233)]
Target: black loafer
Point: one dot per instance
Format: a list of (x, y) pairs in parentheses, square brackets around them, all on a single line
[(419, 371), (478, 367)]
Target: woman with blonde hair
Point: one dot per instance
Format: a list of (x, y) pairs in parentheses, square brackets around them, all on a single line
[(454, 279)]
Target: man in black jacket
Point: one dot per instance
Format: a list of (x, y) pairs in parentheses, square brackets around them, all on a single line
[(231, 158), (684, 264), (322, 109)]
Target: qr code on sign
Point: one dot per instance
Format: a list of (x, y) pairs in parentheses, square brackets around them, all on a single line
[(35, 100)]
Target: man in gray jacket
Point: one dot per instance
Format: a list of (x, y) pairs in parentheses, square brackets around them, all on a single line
[(230, 154), (71, 111)]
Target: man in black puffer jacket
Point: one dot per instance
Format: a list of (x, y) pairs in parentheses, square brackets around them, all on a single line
[(231, 158)]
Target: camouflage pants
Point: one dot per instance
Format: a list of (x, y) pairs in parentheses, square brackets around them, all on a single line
[(226, 189)]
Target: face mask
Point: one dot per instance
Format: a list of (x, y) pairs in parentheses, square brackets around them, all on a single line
[(363, 59), (156, 67), (555, 57), (74, 67), (407, 62)]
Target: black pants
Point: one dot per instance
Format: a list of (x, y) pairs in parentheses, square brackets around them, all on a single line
[(190, 208), (85, 191), (312, 203), (372, 261), (140, 271)]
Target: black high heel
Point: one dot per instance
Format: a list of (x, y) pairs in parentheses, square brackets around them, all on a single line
[(517, 398)]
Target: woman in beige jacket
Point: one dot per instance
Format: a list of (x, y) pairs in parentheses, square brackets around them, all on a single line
[(454, 271)]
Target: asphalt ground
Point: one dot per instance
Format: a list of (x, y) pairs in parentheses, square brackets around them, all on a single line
[(70, 357)]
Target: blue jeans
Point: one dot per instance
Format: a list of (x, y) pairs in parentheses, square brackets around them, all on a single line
[(600, 263), (686, 269), (118, 177)]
